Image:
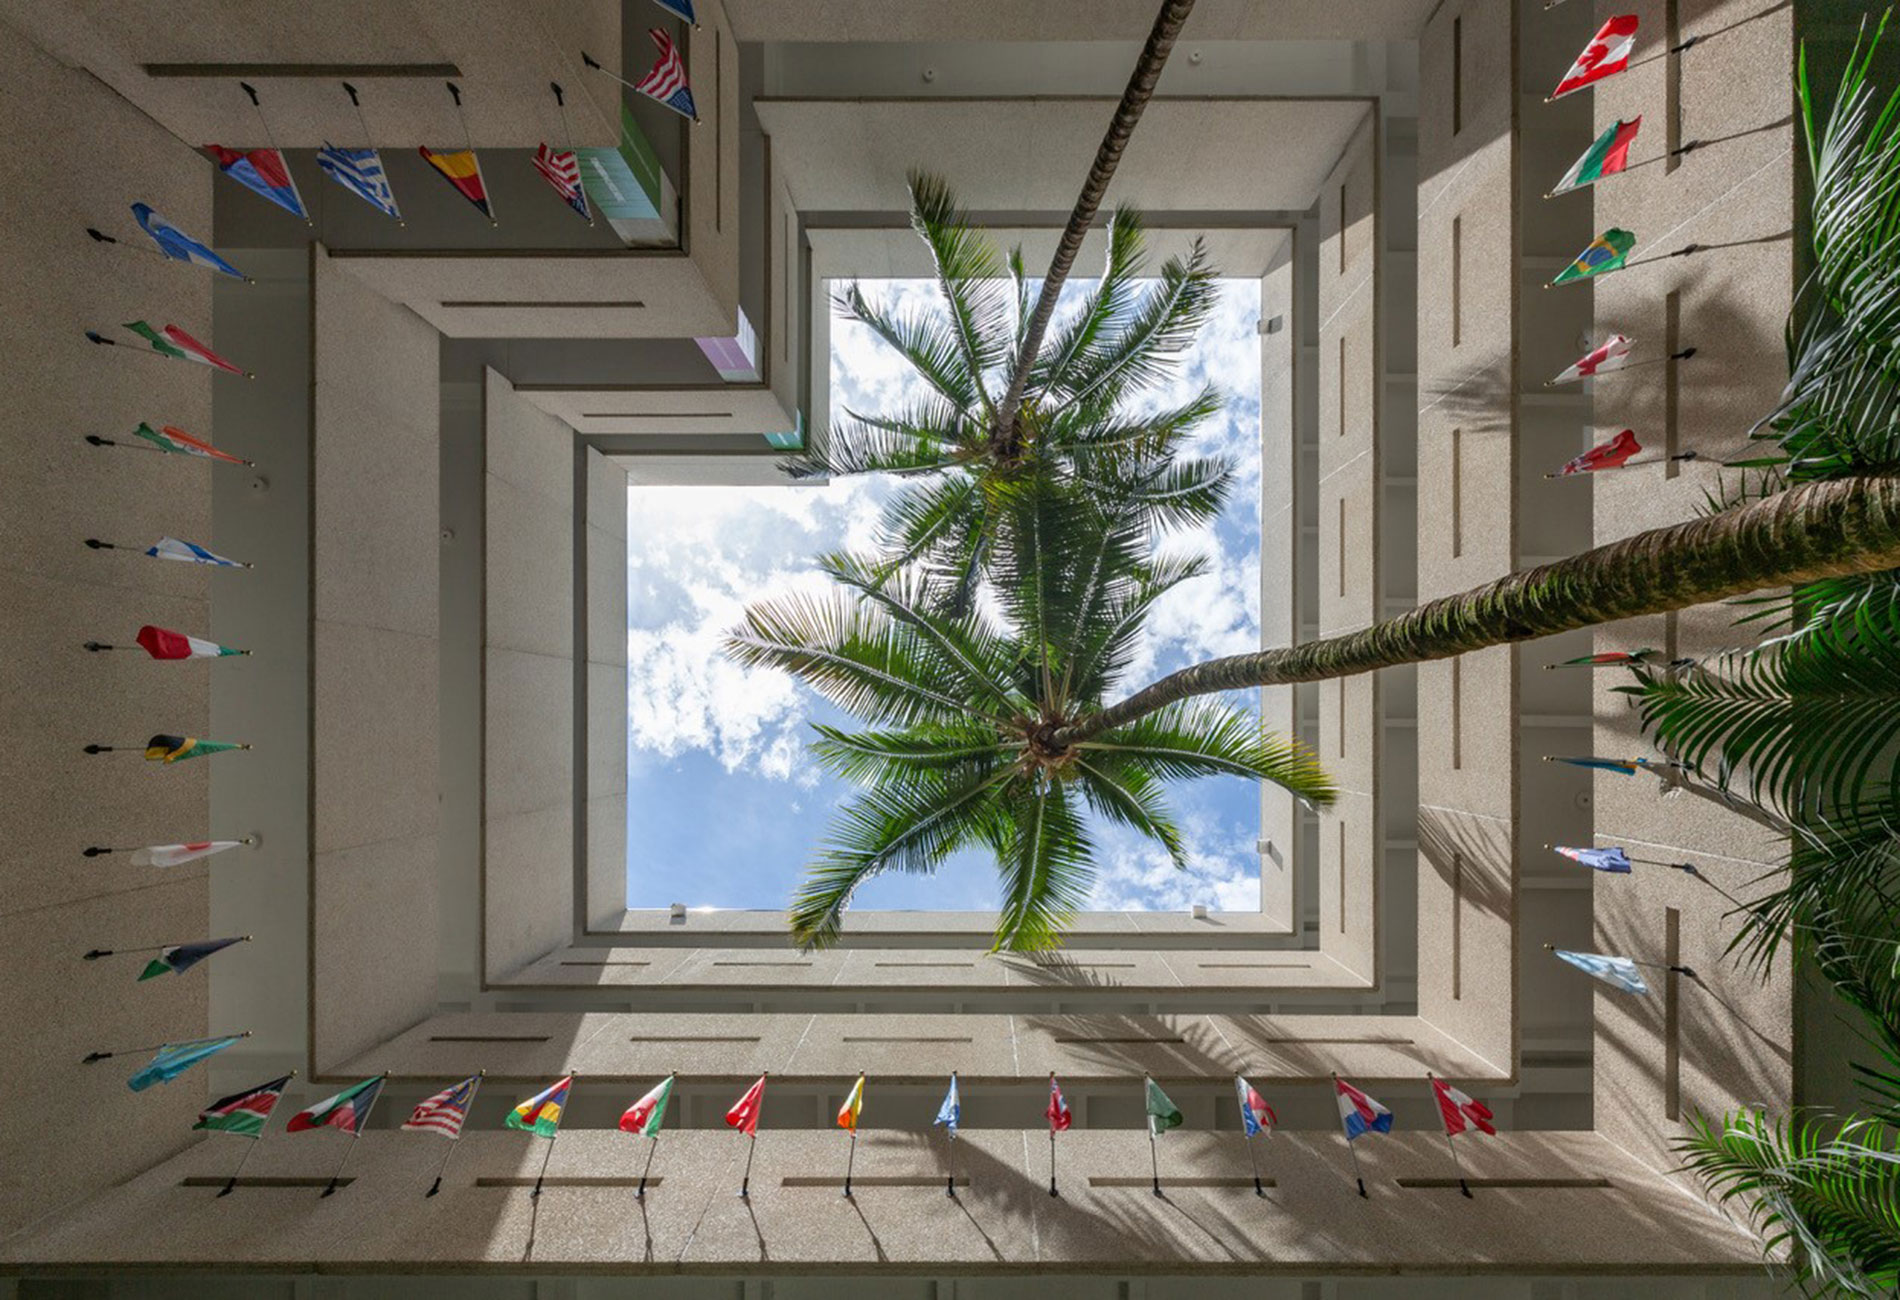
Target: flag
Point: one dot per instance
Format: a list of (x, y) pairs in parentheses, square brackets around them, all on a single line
[(1460, 1112), (1609, 155), (1605, 455), (1605, 254), (178, 246), (744, 1114), (177, 440), (1612, 859), (173, 1059), (563, 172), (446, 1112), (170, 548), (644, 1117), (1057, 1113), (1358, 1113), (348, 1110), (1612, 354), (950, 1114), (264, 172), (182, 957), (1609, 659), (243, 1113), (1617, 972), (163, 643), (667, 82), (1626, 766), (1163, 1114), (1255, 1114), (176, 855), (853, 1106), (180, 346), (176, 749), (541, 1113), (683, 8), (1607, 54), (360, 171), (464, 171)]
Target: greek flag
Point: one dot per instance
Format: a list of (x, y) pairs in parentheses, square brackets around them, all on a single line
[(177, 245), (360, 171)]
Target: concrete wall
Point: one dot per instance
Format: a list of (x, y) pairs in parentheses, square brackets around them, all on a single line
[(80, 156), (604, 851), (1723, 1039), (374, 593), (1283, 449), (528, 682)]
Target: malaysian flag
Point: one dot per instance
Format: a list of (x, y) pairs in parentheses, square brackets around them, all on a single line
[(447, 1111), (563, 172), (360, 171), (667, 82)]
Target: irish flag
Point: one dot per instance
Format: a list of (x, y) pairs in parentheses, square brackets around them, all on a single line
[(541, 1113), (243, 1113), (644, 1117), (175, 343), (1607, 54), (348, 1110), (1608, 156), (168, 438), (163, 643), (176, 855)]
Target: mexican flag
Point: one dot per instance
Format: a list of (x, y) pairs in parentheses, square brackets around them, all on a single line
[(1163, 1114), (644, 1117), (348, 1110), (1608, 156), (163, 643), (243, 1113), (167, 438), (175, 343)]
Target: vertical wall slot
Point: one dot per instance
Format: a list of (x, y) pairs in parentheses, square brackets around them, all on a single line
[(1457, 280), (1342, 876), (1672, 1016), (719, 134), (1457, 75), (1670, 653), (1457, 925), (1672, 86), (1340, 698), (1342, 227), (1457, 493), (1672, 381), (1342, 385), (1457, 713)]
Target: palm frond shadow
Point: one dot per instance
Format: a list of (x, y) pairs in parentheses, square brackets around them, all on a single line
[(1471, 855)]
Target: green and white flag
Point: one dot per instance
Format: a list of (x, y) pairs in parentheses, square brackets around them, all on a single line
[(1163, 1114), (645, 1116), (1609, 155)]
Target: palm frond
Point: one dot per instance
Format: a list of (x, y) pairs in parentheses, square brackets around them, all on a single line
[(922, 338), (1128, 793), (1162, 327), (1108, 302), (969, 277), (1203, 737), (1047, 869)]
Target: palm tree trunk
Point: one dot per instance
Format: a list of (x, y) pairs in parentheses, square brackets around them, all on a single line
[(1822, 530), (1108, 156)]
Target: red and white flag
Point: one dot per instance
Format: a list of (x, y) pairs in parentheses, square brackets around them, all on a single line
[(1058, 1113), (1612, 354), (1607, 54), (563, 171), (1605, 455), (447, 1111), (177, 855), (744, 1114), (1460, 1112)]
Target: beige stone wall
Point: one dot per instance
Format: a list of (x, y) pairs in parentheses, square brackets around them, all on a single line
[(606, 794), (528, 688), (79, 156), (1723, 1039), (1281, 548), (374, 657), (711, 188)]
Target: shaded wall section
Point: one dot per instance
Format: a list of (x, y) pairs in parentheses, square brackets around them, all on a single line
[(604, 878), (374, 555), (80, 156)]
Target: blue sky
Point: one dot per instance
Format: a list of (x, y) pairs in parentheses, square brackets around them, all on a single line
[(723, 803)]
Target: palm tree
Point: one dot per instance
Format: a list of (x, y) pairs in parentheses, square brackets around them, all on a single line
[(962, 706)]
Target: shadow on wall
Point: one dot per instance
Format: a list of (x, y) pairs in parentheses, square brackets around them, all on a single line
[(1471, 855)]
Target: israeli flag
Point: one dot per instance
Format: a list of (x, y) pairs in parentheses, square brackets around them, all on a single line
[(950, 1112), (170, 548), (360, 171), (178, 246)]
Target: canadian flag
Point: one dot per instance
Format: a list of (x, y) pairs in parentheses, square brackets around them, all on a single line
[(1607, 54), (1460, 1112)]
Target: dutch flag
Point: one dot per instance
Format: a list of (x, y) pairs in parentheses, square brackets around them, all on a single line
[(1358, 1113)]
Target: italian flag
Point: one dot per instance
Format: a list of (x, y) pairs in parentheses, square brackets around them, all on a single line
[(348, 1110), (243, 1113), (644, 1117), (172, 439), (163, 643), (1608, 156), (175, 343)]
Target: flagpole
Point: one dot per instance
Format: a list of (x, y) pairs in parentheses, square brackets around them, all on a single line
[(1357, 1176), (97, 953), (96, 544), (97, 441), (560, 102), (1154, 1159), (1052, 1161), (1259, 1188), (101, 237), (230, 1184), (249, 841), (641, 1191), (590, 62), (850, 1159), (369, 142), (347, 1152), (468, 138), (745, 1179), (90, 1057), (456, 1141), (1660, 460), (547, 1156), (129, 749)]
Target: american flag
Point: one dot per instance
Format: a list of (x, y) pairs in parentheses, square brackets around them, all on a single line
[(447, 1111), (667, 82), (563, 172)]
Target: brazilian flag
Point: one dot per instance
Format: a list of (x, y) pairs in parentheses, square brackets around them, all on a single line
[(1606, 253)]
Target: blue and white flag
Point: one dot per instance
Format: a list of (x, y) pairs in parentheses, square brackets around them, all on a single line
[(1610, 859), (950, 1114), (682, 8), (173, 1059), (170, 548), (360, 171), (178, 246), (1617, 972)]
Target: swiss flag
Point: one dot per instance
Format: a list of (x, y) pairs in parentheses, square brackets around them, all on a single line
[(1460, 1112), (1607, 54)]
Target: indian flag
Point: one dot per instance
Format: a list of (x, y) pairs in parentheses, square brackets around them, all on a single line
[(644, 1117), (853, 1106), (1608, 156), (541, 1113), (176, 855), (176, 749), (175, 343), (243, 1113), (1606, 253), (163, 643), (167, 438), (348, 1110)]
